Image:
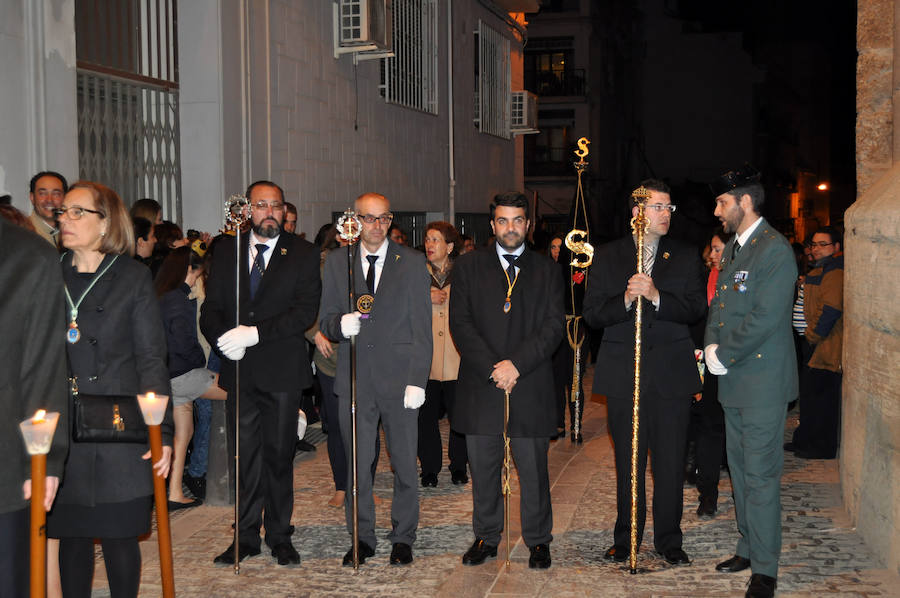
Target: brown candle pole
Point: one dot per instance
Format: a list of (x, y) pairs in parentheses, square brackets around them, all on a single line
[(38, 527), (164, 535), (37, 432)]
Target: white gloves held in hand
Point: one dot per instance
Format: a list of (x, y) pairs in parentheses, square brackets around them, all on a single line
[(233, 344), (350, 324), (413, 397)]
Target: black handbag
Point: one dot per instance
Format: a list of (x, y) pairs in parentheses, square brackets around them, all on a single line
[(107, 418)]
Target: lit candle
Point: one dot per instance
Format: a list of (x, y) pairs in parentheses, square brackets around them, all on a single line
[(153, 407), (38, 431)]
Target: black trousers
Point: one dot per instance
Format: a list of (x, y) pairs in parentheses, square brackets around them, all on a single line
[(663, 429), (268, 422), (486, 463), (820, 413), (14, 553), (439, 396), (708, 420), (122, 557)]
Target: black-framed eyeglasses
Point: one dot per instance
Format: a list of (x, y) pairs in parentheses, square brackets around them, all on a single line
[(76, 212), (276, 206), (821, 243), (659, 207), (370, 219)]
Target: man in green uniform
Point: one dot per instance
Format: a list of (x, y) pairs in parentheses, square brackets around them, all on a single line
[(749, 345)]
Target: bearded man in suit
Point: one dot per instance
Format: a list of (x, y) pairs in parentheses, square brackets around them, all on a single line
[(506, 317)]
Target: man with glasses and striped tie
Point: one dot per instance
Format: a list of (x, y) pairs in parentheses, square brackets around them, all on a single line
[(673, 285)]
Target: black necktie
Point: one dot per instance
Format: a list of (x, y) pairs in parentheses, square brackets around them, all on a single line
[(511, 268), (258, 268), (370, 275), (735, 249)]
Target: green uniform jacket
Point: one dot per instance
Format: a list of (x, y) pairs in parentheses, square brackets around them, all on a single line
[(750, 320)]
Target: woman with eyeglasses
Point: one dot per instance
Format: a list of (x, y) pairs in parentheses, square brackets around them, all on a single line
[(116, 346)]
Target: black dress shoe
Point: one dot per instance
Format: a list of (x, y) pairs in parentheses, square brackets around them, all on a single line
[(304, 447), (429, 480), (286, 554), (761, 586), (365, 551), (733, 565), (707, 508), (676, 556), (790, 447), (479, 552), (540, 557), (577, 438), (175, 505), (459, 477), (617, 553), (227, 557), (401, 554), (813, 455)]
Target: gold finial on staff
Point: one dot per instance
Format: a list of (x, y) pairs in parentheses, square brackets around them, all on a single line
[(639, 225)]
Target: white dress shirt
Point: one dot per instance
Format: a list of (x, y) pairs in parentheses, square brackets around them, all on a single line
[(379, 265)]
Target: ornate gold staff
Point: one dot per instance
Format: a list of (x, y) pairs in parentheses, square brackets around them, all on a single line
[(507, 473), (577, 242), (237, 212), (639, 225), (349, 229)]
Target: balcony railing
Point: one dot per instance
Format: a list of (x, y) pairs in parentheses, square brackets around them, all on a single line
[(549, 83)]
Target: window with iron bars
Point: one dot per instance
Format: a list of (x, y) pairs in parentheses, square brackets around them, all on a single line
[(127, 93), (492, 81), (410, 77)]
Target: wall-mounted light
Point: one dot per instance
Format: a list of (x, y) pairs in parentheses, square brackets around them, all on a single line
[(822, 186)]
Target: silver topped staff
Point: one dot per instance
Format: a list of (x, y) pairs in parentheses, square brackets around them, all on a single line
[(237, 212), (349, 228)]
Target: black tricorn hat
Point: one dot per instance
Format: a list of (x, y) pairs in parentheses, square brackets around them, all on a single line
[(733, 179)]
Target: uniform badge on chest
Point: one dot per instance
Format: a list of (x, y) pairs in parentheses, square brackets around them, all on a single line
[(740, 281)]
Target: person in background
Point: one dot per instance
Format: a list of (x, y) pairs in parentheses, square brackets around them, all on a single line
[(46, 191), (290, 218), (149, 209), (554, 248), (116, 347), (144, 239), (466, 244), (707, 418), (397, 235), (190, 378), (440, 391)]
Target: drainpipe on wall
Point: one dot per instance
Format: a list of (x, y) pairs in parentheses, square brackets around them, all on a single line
[(451, 208)]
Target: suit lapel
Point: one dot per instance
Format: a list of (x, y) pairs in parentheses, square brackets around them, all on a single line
[(391, 264), (661, 261)]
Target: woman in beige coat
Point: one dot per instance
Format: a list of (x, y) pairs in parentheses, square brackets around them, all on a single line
[(441, 240)]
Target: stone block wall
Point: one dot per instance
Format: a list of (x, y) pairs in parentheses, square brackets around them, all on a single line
[(870, 444)]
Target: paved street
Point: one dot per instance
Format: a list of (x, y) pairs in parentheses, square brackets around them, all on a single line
[(822, 555)]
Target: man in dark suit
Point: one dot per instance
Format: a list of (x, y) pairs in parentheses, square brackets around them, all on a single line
[(393, 360), (750, 347), (673, 288), (279, 294), (506, 317), (32, 377)]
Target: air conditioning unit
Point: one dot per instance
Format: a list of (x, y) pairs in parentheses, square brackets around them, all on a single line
[(523, 119), (363, 25)]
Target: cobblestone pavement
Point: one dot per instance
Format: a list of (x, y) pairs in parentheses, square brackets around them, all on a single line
[(822, 554)]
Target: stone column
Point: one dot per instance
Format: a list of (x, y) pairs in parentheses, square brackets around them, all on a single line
[(870, 451)]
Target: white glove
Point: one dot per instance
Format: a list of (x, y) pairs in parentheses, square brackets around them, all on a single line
[(413, 397), (712, 361), (239, 337), (350, 324), (301, 424), (234, 354)]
